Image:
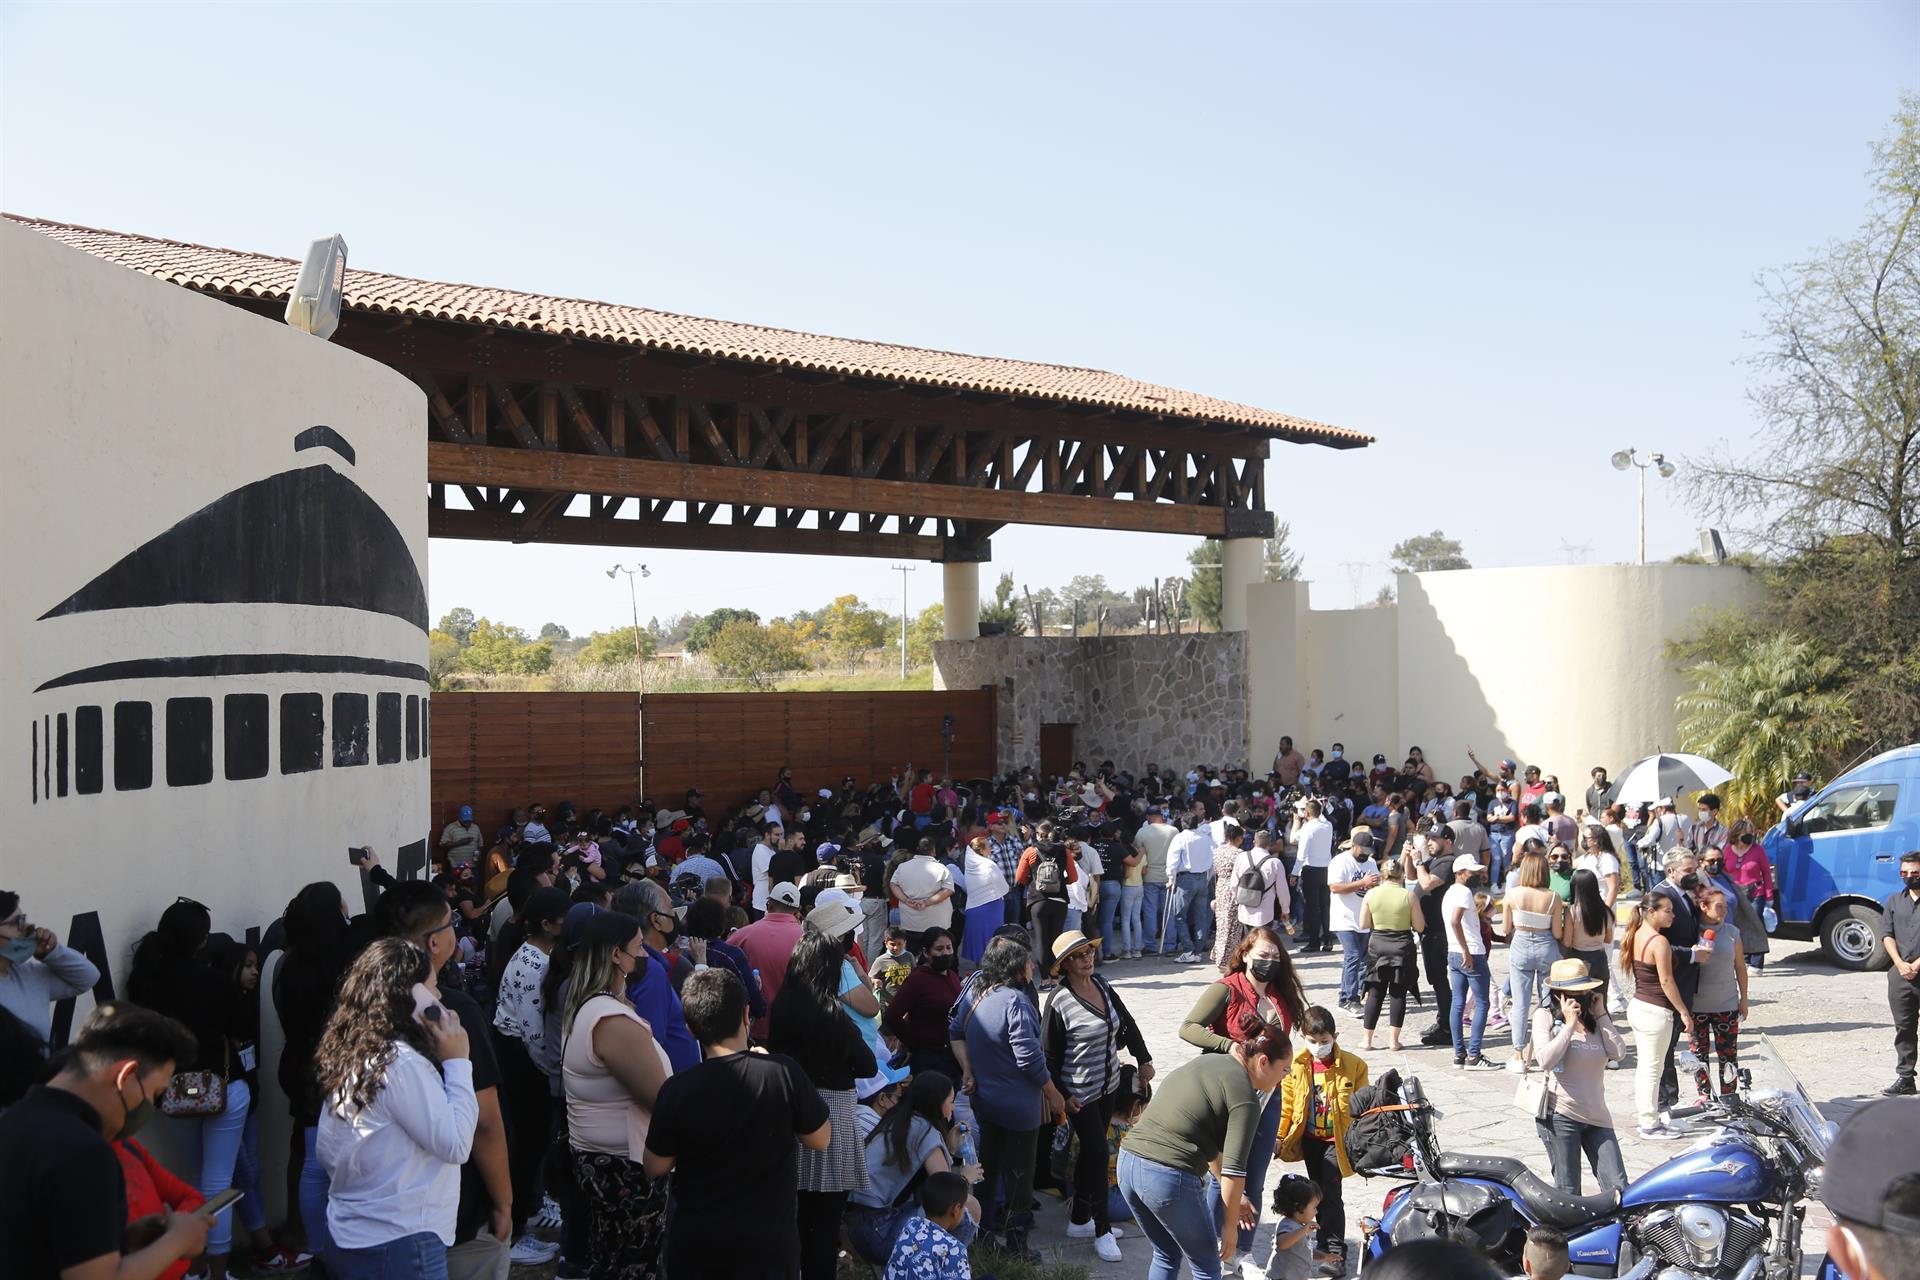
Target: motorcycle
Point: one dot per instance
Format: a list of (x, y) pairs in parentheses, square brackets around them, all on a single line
[(1729, 1207)]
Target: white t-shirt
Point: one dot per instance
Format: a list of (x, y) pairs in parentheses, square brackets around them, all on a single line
[(1315, 841), (1343, 909), (762, 876), (1276, 900), (922, 877), (1602, 865), (1191, 852), (1458, 900), (1090, 866)]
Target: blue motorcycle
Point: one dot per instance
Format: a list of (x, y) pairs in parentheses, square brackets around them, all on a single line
[(1730, 1207)]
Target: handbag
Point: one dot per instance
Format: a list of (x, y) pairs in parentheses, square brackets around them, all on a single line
[(1535, 1092), (195, 1093)]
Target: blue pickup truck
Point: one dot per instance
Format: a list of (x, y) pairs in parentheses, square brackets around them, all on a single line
[(1836, 856)]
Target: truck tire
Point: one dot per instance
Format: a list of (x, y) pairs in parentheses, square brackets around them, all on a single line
[(1850, 934)]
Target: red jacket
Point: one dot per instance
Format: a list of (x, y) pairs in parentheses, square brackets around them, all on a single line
[(151, 1189)]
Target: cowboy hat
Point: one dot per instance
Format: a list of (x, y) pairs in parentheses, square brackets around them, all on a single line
[(1571, 976), (1066, 944)]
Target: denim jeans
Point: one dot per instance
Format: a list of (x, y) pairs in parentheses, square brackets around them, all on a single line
[(1353, 962), (1499, 854), (1132, 899), (1566, 1140), (1459, 981), (252, 1209), (1175, 1212), (1264, 1137), (416, 1257), (1190, 901), (1528, 960), (1154, 912), (314, 1189), (211, 1145), (1109, 913)]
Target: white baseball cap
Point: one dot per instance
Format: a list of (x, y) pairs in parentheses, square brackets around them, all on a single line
[(1467, 863)]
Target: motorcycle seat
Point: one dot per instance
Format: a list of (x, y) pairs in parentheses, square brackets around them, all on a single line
[(1544, 1203)]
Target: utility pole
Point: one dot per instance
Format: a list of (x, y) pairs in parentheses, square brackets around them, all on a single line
[(640, 674), (904, 569)]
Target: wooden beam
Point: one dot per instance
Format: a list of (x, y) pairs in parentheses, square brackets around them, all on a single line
[(582, 531), (522, 429), (710, 432), (638, 477), (830, 435), (643, 418), (440, 411), (582, 421)]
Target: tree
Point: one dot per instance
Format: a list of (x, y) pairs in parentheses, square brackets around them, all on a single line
[(674, 630), (702, 632), (1426, 553), (1005, 609), (1382, 599), (459, 624), (1283, 563), (851, 628), (928, 627), (611, 648), (556, 633), (744, 650), (443, 658), (1203, 587), (497, 649), (1773, 707)]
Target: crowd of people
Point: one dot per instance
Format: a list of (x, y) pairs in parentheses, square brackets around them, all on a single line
[(653, 1042)]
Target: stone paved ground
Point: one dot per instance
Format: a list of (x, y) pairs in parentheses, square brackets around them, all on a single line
[(1830, 1028)]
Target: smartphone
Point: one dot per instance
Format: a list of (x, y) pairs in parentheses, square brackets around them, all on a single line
[(220, 1203), (425, 1005), (355, 856)]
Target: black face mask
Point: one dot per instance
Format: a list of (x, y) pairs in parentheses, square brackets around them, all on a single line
[(1264, 970), (1913, 880), (943, 964), (670, 932)]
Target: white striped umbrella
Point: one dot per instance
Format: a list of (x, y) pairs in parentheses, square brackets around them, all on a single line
[(1658, 777)]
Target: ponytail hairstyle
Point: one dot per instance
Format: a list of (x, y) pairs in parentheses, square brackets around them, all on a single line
[(1637, 925), (589, 968)]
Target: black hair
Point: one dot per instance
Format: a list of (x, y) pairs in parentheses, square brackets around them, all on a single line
[(923, 943), (1588, 906), (1911, 855), (896, 934), (1004, 962), (116, 1032), (1425, 1259), (408, 910), (9, 903), (942, 1193), (174, 942), (1294, 1194), (1547, 1246), (1012, 933), (1270, 1042), (714, 1002), (550, 902), (1318, 1022), (706, 918), (926, 1099)]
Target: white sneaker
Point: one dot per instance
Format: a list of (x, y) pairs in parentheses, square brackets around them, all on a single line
[(1107, 1248), (1516, 1064), (1080, 1230), (549, 1216), (1251, 1270), (531, 1251)]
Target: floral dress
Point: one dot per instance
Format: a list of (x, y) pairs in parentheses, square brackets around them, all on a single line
[(1227, 929)]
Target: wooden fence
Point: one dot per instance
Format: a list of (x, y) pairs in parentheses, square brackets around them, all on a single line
[(498, 750)]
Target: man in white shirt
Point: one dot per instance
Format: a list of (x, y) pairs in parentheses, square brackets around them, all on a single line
[(1152, 841), (1349, 875), (1312, 835), (1084, 893), (924, 885), (1666, 829), (1467, 967), (770, 834), (1274, 900), (1189, 863)]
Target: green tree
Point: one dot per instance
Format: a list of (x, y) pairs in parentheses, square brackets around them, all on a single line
[(756, 656), (1283, 563), (1005, 608), (702, 632), (927, 629), (443, 658), (611, 648), (497, 649), (851, 628), (459, 624), (1203, 585), (556, 633), (1771, 707), (1427, 552)]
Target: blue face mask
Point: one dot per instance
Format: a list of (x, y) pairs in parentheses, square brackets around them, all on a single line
[(17, 950)]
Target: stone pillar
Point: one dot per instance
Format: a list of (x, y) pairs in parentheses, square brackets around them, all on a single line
[(1240, 568), (961, 580)]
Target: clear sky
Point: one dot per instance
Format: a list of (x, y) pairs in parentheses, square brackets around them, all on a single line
[(1505, 239)]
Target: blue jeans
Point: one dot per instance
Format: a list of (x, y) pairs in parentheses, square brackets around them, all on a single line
[(1499, 855), (1263, 1139), (1528, 959), (1458, 981), (1109, 910), (1156, 907), (1353, 962), (314, 1188), (1132, 900), (1187, 930), (415, 1257), (246, 1176), (211, 1145), (1566, 1139), (1175, 1212)]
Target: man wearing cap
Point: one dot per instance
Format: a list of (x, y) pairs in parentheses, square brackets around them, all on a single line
[(460, 839), (1467, 965), (1434, 877), (1872, 1186), (1349, 876), (1797, 793), (768, 943), (1901, 911)]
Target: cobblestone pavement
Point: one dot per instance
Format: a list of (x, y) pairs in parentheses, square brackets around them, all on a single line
[(1829, 1027)]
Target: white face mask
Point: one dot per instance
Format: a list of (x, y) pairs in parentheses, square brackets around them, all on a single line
[(1337, 755), (1705, 815), (806, 815), (1320, 1049)]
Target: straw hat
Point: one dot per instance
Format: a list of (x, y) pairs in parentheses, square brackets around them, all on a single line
[(1571, 976), (1066, 944)]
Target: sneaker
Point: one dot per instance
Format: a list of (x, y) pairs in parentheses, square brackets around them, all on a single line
[(1433, 1037), (1480, 1062), (1498, 1022), (1659, 1133), (531, 1251), (1106, 1248), (282, 1260), (1080, 1230), (1459, 1062), (1901, 1088), (549, 1217), (1516, 1063)]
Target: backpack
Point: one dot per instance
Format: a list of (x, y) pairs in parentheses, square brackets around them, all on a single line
[(1252, 890), (1380, 1136), (1048, 877)]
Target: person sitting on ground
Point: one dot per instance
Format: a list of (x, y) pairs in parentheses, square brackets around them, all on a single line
[(928, 1248)]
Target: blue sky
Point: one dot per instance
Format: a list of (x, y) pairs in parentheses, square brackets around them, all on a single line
[(1505, 239)]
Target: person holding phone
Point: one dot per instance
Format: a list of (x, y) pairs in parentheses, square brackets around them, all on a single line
[(1574, 1039), (397, 1121)]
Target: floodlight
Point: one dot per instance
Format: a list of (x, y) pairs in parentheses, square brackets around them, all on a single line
[(1665, 468), (314, 304), (1622, 459)]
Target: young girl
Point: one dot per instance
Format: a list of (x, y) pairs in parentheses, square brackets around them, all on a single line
[(1296, 1208)]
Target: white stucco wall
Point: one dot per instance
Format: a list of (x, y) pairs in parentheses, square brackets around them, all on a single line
[(132, 405)]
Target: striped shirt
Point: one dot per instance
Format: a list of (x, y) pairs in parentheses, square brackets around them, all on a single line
[(1082, 1043)]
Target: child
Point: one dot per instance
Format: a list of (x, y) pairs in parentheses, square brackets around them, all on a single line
[(927, 1248), (1546, 1254), (1296, 1206), (891, 967), (1316, 1109)]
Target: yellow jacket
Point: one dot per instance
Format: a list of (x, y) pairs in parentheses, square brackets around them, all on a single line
[(1344, 1074)]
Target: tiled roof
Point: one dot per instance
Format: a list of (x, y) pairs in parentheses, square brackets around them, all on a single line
[(252, 275)]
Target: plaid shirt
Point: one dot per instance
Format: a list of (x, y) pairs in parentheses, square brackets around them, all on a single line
[(1006, 855)]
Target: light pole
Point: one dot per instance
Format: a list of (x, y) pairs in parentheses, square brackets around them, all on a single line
[(904, 569), (1625, 458), (640, 672)]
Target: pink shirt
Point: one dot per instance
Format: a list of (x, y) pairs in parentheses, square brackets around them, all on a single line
[(769, 943), (1751, 868)]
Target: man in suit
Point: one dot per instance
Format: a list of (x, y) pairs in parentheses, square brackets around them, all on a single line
[(1679, 887)]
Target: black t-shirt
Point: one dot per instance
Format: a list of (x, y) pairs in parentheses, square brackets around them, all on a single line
[(63, 1200), (730, 1124), (475, 1202), (788, 865), (1441, 866)]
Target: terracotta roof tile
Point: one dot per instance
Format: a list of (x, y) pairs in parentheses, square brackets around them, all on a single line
[(253, 275)]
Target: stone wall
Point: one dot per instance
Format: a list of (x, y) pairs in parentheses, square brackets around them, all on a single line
[(1132, 699)]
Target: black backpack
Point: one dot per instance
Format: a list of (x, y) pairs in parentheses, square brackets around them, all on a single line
[(1381, 1135), (1252, 890)]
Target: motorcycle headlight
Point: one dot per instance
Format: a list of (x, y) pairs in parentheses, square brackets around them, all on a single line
[(1705, 1232)]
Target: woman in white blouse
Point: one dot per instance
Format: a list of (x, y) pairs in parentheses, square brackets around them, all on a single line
[(397, 1119), (613, 1069)]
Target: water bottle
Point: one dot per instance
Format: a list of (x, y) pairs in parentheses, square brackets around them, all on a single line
[(969, 1153)]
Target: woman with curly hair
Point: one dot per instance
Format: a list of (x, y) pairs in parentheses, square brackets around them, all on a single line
[(396, 1120)]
